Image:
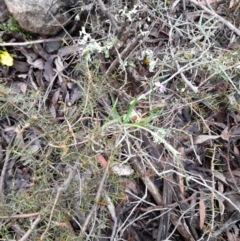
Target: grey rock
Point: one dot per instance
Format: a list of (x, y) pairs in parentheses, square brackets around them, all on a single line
[(44, 17)]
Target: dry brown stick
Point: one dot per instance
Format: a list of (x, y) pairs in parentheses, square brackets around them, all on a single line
[(34, 224), (28, 215), (213, 13)]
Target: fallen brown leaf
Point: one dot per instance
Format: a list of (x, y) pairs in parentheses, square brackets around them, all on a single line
[(202, 138), (202, 211)]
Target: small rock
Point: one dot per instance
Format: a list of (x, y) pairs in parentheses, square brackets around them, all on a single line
[(44, 17)]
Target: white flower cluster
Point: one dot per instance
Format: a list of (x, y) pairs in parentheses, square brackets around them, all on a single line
[(92, 46), (124, 12)]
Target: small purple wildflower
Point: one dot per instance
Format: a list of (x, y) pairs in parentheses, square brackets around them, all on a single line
[(161, 89)]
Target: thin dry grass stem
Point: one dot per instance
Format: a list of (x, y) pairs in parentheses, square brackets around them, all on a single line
[(6, 161), (138, 166), (67, 146), (90, 82), (17, 229), (14, 105), (213, 188), (37, 42), (60, 190), (50, 85), (97, 198), (30, 230), (213, 13), (70, 128), (63, 25), (113, 214), (28, 215), (7, 239), (152, 205), (234, 218), (86, 118), (229, 79), (167, 206)]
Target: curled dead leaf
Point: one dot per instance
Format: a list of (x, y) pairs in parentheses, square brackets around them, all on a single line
[(202, 138)]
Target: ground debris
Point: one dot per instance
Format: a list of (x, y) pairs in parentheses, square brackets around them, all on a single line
[(128, 129)]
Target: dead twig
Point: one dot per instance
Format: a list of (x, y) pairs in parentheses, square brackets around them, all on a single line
[(213, 187), (40, 41), (34, 224), (213, 13), (28, 215)]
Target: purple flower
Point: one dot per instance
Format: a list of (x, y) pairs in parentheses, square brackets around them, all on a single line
[(161, 88)]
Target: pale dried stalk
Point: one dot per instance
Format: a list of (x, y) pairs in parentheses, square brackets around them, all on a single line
[(213, 13), (33, 226)]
